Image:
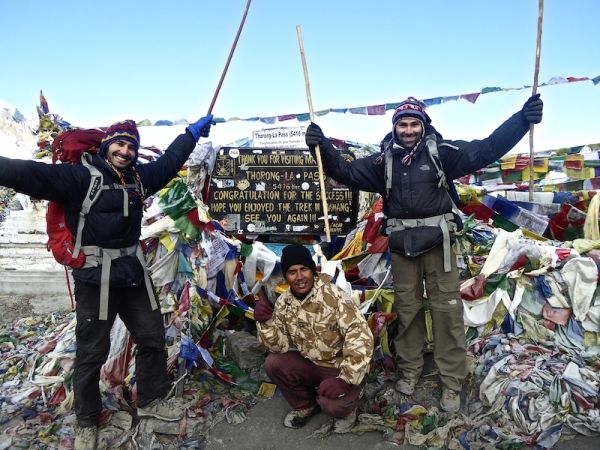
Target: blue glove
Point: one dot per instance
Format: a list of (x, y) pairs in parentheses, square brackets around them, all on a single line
[(201, 127)]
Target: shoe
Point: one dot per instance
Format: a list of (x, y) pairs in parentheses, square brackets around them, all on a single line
[(297, 418), (406, 385), (162, 410), (345, 424), (86, 438), (450, 401)]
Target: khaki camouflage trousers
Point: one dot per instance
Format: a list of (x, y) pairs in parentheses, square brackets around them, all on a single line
[(413, 278)]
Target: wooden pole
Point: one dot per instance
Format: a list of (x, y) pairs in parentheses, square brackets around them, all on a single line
[(237, 36), (317, 149), (538, 51)]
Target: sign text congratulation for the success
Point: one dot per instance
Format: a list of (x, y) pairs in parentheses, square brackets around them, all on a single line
[(276, 191)]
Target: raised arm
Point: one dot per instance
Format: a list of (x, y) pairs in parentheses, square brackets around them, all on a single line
[(157, 174), (366, 174), (461, 157), (58, 183)]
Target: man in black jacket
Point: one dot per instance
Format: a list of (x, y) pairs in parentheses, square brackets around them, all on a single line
[(114, 278), (414, 174)]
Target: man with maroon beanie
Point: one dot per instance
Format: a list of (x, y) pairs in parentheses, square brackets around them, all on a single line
[(114, 280), (320, 344)]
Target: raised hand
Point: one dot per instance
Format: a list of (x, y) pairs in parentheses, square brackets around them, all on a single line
[(263, 311), (532, 109), (201, 128)]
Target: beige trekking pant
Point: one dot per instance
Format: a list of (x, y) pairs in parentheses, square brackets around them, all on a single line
[(412, 278)]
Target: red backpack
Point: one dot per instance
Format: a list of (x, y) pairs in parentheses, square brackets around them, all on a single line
[(73, 147)]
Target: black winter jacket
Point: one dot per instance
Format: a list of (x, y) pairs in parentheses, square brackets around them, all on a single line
[(415, 193), (105, 225)]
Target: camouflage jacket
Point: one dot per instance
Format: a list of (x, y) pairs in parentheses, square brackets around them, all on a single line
[(324, 328)]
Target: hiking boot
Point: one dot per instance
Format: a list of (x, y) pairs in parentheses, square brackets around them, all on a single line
[(162, 410), (297, 418), (345, 424), (86, 438), (450, 401), (406, 385)]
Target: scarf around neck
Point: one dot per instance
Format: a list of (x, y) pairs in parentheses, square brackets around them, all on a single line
[(409, 155)]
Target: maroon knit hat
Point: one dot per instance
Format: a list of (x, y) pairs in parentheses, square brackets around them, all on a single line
[(411, 107), (121, 131)]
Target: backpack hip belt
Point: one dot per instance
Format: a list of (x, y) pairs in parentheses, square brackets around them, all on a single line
[(97, 256), (444, 221)]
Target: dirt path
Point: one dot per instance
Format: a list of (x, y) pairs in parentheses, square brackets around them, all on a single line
[(15, 307)]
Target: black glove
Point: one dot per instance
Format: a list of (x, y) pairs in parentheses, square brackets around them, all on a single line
[(314, 135), (532, 109)]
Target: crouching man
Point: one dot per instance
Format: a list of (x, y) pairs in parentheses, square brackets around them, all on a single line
[(320, 344)]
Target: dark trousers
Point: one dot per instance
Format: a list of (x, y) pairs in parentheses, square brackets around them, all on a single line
[(93, 345), (446, 313), (299, 378)]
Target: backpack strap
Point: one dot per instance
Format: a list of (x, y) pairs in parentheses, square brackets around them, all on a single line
[(92, 195), (434, 155), (97, 256), (448, 225), (111, 186), (389, 160)]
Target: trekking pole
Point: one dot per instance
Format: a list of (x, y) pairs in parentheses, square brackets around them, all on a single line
[(317, 149), (69, 289), (538, 51), (237, 36), (182, 372)]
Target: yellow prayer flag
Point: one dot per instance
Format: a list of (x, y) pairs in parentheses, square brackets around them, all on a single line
[(267, 390), (508, 162), (168, 242)]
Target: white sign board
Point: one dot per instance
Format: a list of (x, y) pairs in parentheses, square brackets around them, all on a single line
[(292, 137)]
